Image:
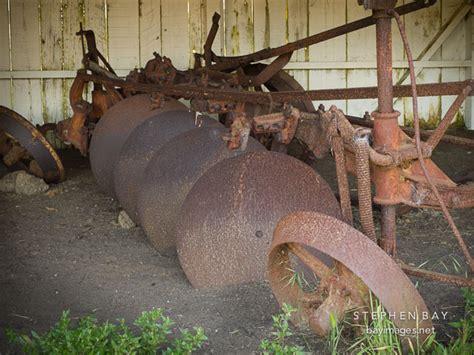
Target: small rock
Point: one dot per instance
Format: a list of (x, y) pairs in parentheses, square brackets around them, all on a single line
[(7, 183), (125, 221), (29, 185)]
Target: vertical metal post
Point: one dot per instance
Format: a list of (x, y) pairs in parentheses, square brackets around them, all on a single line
[(386, 131)]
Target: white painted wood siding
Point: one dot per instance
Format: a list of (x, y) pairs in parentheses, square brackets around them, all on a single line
[(39, 51)]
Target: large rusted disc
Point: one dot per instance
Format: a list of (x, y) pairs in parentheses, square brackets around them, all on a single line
[(112, 131), (21, 130), (225, 227), (142, 145), (171, 174), (359, 255)]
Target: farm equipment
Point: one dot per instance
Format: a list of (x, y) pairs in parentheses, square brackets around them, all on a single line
[(23, 146), (237, 213)]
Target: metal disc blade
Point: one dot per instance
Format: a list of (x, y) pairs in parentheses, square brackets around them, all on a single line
[(171, 174), (355, 251), (112, 131), (18, 127), (142, 145), (225, 228)]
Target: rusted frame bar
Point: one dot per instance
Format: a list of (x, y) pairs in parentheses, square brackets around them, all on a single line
[(191, 91), (436, 276), (227, 63), (448, 118), (210, 39)]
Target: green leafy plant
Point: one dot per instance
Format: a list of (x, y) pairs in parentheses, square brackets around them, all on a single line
[(90, 337), (281, 331), (464, 342)]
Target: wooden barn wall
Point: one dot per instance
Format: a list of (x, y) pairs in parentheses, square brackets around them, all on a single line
[(39, 51)]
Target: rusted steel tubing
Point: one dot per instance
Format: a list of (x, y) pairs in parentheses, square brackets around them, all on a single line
[(386, 132), (448, 118), (225, 63), (389, 229), (342, 181), (447, 138), (193, 92), (361, 145), (436, 276), (383, 30)]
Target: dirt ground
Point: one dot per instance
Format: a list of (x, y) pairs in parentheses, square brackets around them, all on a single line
[(65, 250)]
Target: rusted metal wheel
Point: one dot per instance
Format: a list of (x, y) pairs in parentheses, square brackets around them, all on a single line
[(171, 174), (226, 224), (360, 266), (112, 131), (23, 145), (142, 145)]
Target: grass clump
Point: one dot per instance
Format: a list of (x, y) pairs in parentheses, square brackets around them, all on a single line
[(90, 337)]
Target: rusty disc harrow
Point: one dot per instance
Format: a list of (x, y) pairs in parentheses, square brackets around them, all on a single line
[(225, 228), (171, 174), (112, 131), (360, 266), (142, 145), (43, 160)]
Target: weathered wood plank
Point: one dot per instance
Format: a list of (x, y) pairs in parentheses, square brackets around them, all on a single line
[(4, 36), (197, 28), (324, 15), (123, 34), (421, 27), (239, 36), (150, 29), (211, 7), (453, 48), (95, 20), (279, 30), (27, 99), (328, 79), (25, 35), (361, 77), (361, 46), (52, 58), (397, 44), (5, 98), (298, 29), (175, 32), (74, 12), (26, 56)]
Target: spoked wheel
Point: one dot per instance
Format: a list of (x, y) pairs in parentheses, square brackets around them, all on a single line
[(24, 146), (359, 266)]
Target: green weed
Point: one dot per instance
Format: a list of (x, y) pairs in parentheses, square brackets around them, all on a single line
[(90, 337), (281, 331)]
